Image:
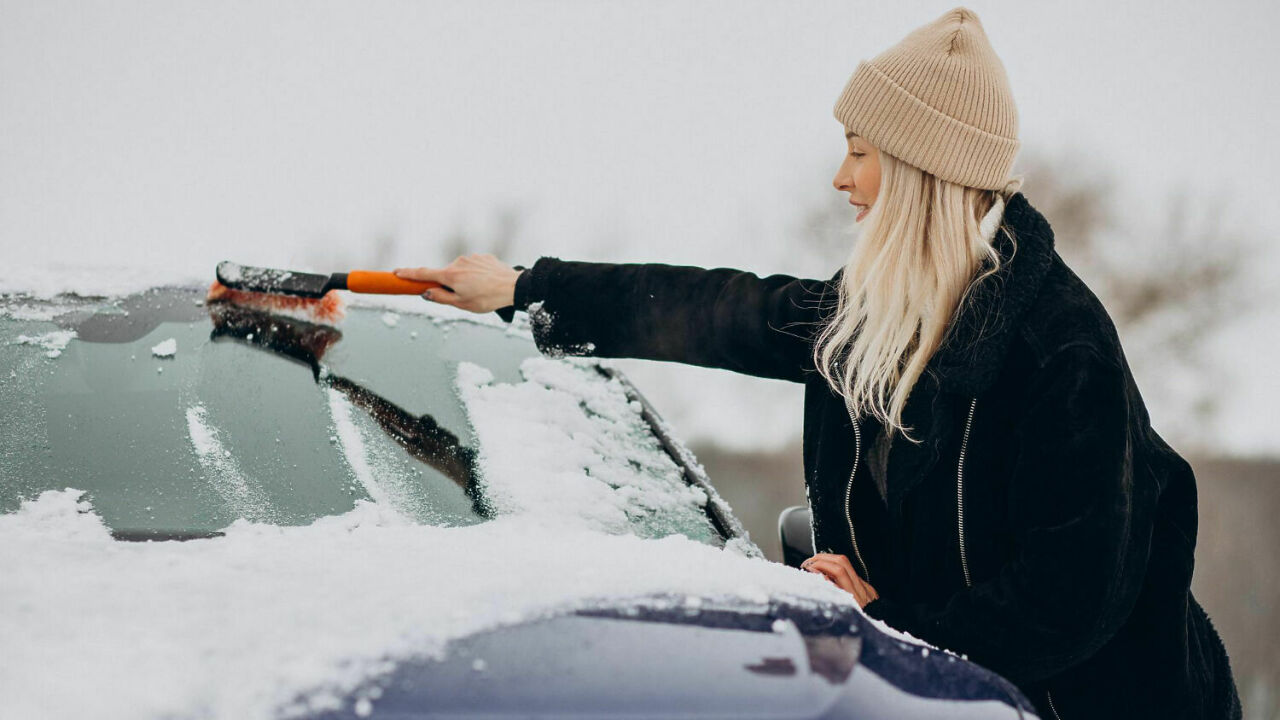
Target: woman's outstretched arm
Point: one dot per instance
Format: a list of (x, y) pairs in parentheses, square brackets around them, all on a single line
[(720, 318)]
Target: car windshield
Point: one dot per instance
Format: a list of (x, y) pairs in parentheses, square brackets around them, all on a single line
[(178, 418)]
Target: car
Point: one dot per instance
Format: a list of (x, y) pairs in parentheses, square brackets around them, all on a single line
[(210, 509)]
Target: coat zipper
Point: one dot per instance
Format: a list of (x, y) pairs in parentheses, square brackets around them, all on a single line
[(1052, 709), (964, 446), (964, 558), (848, 515)]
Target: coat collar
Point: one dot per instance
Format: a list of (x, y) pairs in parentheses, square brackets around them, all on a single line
[(971, 355)]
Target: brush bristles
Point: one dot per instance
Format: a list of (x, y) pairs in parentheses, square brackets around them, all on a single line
[(328, 309)]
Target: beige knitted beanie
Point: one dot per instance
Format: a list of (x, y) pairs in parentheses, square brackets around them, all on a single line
[(940, 101)]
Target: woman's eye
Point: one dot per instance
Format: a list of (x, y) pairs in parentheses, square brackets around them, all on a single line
[(856, 154)]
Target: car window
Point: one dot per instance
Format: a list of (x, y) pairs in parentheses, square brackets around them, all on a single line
[(178, 419)]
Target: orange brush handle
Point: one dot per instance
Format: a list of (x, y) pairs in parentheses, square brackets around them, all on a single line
[(385, 283)]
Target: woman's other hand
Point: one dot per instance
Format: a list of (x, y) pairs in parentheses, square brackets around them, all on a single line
[(478, 282), (838, 570)]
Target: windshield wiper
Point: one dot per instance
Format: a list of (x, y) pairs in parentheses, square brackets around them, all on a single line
[(422, 436)]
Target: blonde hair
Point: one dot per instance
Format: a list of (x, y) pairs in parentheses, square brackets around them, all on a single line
[(920, 255)]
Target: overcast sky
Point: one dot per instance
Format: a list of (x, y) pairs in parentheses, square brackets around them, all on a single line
[(170, 135)]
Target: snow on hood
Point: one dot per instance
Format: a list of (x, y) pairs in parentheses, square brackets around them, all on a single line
[(271, 621)]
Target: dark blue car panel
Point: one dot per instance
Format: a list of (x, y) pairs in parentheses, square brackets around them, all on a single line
[(663, 659)]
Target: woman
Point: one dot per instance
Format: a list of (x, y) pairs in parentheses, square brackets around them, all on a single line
[(980, 466)]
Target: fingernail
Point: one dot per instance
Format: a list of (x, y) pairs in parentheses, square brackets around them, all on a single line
[(427, 294)]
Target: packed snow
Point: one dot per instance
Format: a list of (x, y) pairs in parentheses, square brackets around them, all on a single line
[(47, 281), (567, 443), (53, 343), (165, 348), (273, 621)]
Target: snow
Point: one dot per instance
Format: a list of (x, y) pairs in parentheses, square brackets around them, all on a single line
[(43, 311), (53, 343), (245, 498), (46, 281), (231, 272), (375, 472), (437, 312), (390, 319), (268, 621), (258, 277), (567, 443), (353, 447), (471, 375), (540, 317), (165, 348)]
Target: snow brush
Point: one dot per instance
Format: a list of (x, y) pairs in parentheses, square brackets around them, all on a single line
[(307, 296)]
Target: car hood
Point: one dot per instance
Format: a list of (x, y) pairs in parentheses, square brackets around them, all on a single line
[(666, 658)]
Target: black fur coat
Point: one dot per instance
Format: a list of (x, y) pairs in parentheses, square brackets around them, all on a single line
[(1042, 527)]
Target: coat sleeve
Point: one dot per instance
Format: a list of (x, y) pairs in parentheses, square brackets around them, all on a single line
[(718, 318), (1083, 525)]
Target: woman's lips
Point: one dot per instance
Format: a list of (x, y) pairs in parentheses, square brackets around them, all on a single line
[(863, 209)]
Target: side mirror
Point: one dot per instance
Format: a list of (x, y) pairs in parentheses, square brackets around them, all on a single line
[(795, 528)]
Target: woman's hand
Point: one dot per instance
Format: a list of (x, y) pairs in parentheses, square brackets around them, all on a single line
[(480, 283), (837, 569)]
